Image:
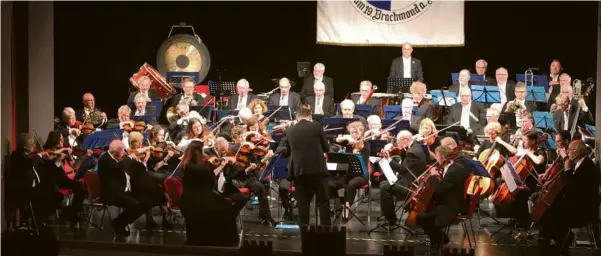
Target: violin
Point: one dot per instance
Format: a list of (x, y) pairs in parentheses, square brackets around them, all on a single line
[(127, 126), (395, 150)]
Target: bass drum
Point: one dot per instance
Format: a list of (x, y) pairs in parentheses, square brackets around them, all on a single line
[(184, 53)]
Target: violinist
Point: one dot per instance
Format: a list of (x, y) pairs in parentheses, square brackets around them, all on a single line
[(61, 171), (448, 199), (258, 108), (164, 157), (123, 114), (220, 156), (27, 181), (577, 205), (353, 144), (421, 107), (194, 131), (347, 109), (428, 136), (413, 159), (375, 132), (66, 126)]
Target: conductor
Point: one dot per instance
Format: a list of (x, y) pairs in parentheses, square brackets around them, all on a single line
[(307, 145)]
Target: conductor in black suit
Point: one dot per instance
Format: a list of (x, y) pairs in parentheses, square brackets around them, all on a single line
[(307, 145), (188, 96), (470, 114), (144, 87), (243, 96), (448, 198), (308, 83), (321, 104), (406, 66), (285, 97), (364, 88)]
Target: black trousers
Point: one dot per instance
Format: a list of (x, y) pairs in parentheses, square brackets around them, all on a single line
[(134, 206), (519, 208), (427, 221), (284, 191), (78, 195), (387, 200), (261, 192), (307, 186), (350, 185)]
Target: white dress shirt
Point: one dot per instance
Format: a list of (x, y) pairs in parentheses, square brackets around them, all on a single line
[(446, 168), (566, 121), (140, 112), (465, 115), (319, 106), (127, 178), (503, 91), (283, 100), (241, 102), (518, 114), (406, 67)]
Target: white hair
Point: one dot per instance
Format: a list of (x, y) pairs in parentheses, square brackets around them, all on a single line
[(465, 90), (67, 112), (492, 111), (565, 75), (318, 85), (319, 66), (482, 61), (347, 103), (284, 80), (405, 134), (182, 107), (140, 96), (465, 71), (242, 83), (374, 119), (245, 113), (365, 84)]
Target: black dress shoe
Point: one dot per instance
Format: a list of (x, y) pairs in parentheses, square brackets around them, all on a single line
[(120, 231)]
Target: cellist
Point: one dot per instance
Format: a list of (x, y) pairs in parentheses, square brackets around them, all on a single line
[(448, 198), (495, 142), (577, 204)]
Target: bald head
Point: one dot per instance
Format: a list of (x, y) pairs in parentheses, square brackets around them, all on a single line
[(407, 50), (284, 84), (501, 75), (88, 100), (117, 149), (576, 150), (464, 77)]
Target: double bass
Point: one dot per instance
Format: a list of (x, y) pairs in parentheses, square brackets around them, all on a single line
[(550, 189)]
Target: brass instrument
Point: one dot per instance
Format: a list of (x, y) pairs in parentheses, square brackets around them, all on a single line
[(513, 107), (95, 118)]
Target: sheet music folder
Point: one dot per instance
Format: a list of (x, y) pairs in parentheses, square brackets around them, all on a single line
[(536, 93), (283, 114), (543, 119), (486, 94), (356, 165), (437, 98), (222, 88)]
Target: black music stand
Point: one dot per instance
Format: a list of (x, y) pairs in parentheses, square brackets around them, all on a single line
[(457, 132), (220, 89), (402, 125), (336, 125), (399, 85), (486, 94), (355, 166), (285, 113)]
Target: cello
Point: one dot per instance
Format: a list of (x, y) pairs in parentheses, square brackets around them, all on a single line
[(422, 197), (550, 189)]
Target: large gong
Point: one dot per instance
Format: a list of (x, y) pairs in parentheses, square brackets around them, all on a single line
[(184, 53)]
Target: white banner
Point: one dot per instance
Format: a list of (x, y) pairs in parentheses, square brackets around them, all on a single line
[(387, 23)]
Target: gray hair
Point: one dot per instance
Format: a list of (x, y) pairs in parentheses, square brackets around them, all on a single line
[(243, 83), (482, 61)]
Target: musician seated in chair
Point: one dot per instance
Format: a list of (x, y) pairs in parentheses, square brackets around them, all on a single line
[(495, 143), (144, 84), (66, 126), (470, 115), (61, 172), (285, 97), (481, 68), (512, 110), (448, 199), (577, 207), (243, 96), (320, 103), (364, 90), (375, 132), (353, 144), (195, 130), (527, 125), (463, 81), (143, 110), (347, 109), (161, 164), (412, 164), (188, 96), (421, 107), (89, 112), (258, 108), (565, 112), (123, 114), (428, 136)]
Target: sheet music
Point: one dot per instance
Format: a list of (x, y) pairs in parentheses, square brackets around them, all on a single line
[(506, 173), (331, 166), (220, 182), (388, 173)]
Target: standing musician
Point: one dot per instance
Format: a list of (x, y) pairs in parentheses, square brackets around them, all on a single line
[(188, 96), (194, 131), (318, 77), (411, 164), (307, 146), (406, 66), (353, 144), (505, 86), (89, 113), (347, 109), (210, 218), (365, 87), (61, 171), (144, 83), (258, 108), (285, 97), (517, 106), (428, 136), (243, 96), (471, 115), (27, 181), (375, 131), (463, 81), (321, 104), (577, 204), (555, 70), (448, 198), (116, 189), (421, 107)]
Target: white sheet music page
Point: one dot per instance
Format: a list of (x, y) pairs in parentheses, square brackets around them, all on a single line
[(388, 173), (508, 177)]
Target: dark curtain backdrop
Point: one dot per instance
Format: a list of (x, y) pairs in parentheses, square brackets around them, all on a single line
[(99, 45)]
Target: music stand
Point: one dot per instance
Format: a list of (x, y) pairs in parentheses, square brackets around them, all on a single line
[(399, 84), (336, 125), (392, 111), (356, 167), (486, 94), (364, 110), (220, 89), (536, 94), (223, 113), (176, 78), (376, 146), (101, 139), (285, 113), (538, 80), (204, 111), (473, 77), (443, 98), (303, 67), (457, 132), (543, 120)]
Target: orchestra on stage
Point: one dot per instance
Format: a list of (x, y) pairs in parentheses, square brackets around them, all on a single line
[(434, 155)]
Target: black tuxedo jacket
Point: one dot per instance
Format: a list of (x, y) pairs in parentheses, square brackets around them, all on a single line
[(509, 89), (455, 87), (306, 144), (307, 89), (200, 101), (583, 117), (448, 196), (294, 100), (375, 103), (554, 94), (397, 70), (414, 160), (425, 110), (328, 105), (477, 109), (509, 117), (233, 100), (151, 93), (580, 194), (112, 178)]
